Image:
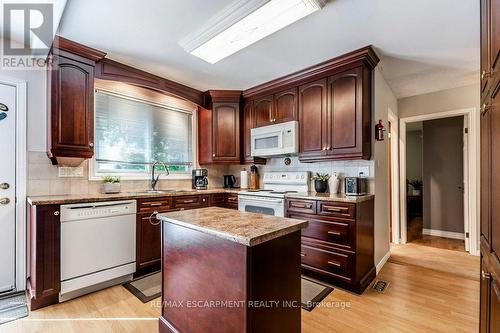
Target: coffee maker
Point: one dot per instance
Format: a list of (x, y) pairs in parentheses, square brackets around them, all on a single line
[(200, 179)]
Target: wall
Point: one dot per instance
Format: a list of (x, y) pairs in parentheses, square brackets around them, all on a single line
[(414, 155), (443, 174), (384, 100), (440, 101)]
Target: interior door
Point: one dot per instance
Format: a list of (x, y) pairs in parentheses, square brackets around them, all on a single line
[(7, 188)]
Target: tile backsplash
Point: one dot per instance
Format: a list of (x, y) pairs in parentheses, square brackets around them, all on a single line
[(43, 177)]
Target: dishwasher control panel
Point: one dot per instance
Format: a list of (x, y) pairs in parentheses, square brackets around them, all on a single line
[(97, 210)]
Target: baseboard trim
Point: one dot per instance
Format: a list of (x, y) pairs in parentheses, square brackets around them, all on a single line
[(382, 262), (442, 233)]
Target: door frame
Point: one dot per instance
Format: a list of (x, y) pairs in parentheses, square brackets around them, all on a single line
[(471, 175), (21, 179)]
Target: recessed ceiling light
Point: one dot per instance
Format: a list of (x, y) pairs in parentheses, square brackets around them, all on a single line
[(244, 23)]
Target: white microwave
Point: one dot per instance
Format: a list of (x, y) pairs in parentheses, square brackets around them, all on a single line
[(275, 140)]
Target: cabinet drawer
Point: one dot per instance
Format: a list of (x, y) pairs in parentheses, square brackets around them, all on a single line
[(301, 206), (330, 262), (336, 232), (190, 201), (337, 209), (149, 206), (232, 199)]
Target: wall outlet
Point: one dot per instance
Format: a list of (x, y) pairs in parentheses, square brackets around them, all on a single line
[(365, 170), (70, 172)]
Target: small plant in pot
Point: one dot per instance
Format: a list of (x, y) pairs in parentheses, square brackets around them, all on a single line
[(321, 182), (111, 184), (417, 186)]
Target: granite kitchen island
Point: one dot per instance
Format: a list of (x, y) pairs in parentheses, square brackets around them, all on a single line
[(230, 271)]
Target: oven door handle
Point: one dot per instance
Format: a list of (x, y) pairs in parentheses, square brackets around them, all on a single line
[(252, 198)]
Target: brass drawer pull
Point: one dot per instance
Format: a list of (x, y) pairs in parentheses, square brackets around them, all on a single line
[(302, 254), (484, 108), (334, 209), (336, 233), (308, 206), (187, 201), (153, 204), (485, 275), (334, 263)]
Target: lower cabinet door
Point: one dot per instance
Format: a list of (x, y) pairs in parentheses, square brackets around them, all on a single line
[(485, 301), (148, 241), (494, 318)]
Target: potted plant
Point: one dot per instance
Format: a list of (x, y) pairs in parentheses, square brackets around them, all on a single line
[(321, 182), (111, 184), (417, 186)]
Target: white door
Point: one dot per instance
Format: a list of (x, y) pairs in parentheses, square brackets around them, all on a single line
[(7, 187)]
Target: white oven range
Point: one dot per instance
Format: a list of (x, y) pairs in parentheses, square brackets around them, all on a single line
[(271, 199)]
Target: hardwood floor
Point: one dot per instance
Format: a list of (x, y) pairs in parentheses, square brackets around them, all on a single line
[(441, 243), (420, 298)]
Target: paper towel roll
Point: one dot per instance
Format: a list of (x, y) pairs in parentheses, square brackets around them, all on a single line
[(244, 179)]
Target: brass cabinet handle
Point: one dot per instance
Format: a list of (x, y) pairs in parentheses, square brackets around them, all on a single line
[(336, 233), (485, 74), (333, 209), (485, 275), (152, 204), (302, 254), (56, 213), (213, 155), (91, 145), (301, 205), (151, 221), (4, 201), (484, 108), (188, 201), (334, 263), (327, 147)]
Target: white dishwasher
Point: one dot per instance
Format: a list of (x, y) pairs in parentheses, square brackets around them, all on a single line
[(97, 246)]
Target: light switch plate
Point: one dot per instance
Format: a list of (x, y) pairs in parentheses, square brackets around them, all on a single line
[(365, 170), (70, 172)]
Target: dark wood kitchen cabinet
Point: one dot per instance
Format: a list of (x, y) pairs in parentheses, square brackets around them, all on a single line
[(340, 108), (248, 122), (490, 166), (338, 243), (263, 110), (219, 128), (44, 281), (71, 102), (313, 119), (285, 106)]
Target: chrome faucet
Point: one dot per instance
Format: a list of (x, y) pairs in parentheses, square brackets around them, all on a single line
[(154, 180)]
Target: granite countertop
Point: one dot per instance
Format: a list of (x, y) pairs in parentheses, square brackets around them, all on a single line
[(249, 229), (84, 198), (330, 197)]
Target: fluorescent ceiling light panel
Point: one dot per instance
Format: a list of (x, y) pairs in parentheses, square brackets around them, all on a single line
[(259, 23)]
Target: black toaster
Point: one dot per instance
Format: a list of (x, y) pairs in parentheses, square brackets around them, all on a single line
[(355, 186)]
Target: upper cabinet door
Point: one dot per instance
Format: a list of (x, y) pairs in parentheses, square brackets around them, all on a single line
[(248, 124), (346, 119), (263, 111), (72, 108), (485, 44), (226, 132), (312, 120), (285, 106), (494, 38)]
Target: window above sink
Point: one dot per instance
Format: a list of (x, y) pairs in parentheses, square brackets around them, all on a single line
[(131, 133)]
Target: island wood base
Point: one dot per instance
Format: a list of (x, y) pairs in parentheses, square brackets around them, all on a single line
[(199, 267)]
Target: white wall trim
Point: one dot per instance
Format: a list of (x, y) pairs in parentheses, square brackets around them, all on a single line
[(472, 184), (443, 233), (21, 177), (382, 261)]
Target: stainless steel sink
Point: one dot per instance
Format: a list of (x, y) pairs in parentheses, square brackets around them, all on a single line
[(156, 191)]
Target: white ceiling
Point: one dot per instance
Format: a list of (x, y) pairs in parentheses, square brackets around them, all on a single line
[(425, 45)]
